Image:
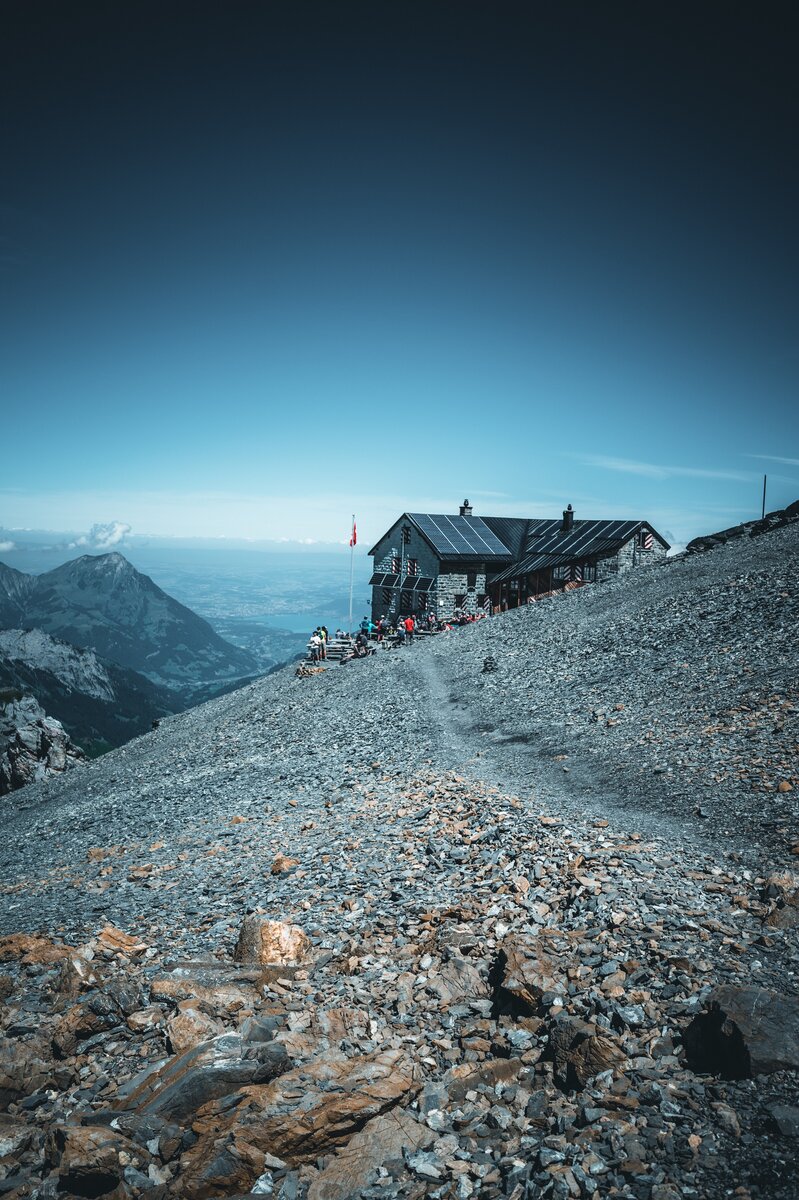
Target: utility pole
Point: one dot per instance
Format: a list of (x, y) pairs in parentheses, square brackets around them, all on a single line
[(763, 515)]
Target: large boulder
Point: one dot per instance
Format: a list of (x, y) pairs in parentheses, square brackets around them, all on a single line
[(271, 943), (21, 1072), (305, 1114), (33, 746), (203, 1073), (746, 1031), (89, 1160), (356, 1165)]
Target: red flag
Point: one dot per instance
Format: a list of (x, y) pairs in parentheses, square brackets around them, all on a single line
[(354, 537)]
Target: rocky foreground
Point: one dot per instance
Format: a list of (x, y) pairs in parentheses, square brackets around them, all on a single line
[(361, 934)]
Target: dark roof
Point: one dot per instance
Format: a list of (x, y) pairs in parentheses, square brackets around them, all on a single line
[(511, 531), (459, 537), (548, 546)]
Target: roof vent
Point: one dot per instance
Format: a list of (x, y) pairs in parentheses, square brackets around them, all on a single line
[(465, 509), (568, 519)]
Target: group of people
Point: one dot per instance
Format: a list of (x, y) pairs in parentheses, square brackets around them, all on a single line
[(317, 644), (395, 630)]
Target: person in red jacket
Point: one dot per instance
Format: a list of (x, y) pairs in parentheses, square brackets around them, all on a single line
[(410, 625)]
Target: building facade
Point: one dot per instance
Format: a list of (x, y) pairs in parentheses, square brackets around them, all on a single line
[(448, 564)]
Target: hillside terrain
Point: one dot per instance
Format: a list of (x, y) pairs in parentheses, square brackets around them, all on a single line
[(102, 603), (99, 704), (510, 912)]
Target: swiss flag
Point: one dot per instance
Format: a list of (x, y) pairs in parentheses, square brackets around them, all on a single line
[(354, 536)]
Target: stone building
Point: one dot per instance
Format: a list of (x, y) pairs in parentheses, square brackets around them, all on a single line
[(448, 564)]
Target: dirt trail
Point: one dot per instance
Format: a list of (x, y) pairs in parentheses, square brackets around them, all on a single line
[(474, 745)]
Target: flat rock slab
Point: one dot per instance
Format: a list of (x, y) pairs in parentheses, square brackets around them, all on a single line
[(307, 1113), (204, 1073), (356, 1165)]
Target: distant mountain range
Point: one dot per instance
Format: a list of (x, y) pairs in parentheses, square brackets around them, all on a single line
[(106, 652), (102, 603)]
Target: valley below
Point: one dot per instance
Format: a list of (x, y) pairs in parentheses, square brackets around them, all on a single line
[(510, 912)]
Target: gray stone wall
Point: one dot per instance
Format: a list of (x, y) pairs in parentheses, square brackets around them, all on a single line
[(630, 556), (390, 546), (452, 586)]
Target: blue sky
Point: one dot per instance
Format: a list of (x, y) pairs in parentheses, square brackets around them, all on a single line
[(263, 268)]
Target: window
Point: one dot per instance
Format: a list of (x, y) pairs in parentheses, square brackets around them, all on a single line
[(471, 580), (413, 566), (406, 601), (460, 599), (396, 564), (645, 540), (423, 601), (388, 596)]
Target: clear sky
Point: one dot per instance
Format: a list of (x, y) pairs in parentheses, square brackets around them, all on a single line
[(263, 265)]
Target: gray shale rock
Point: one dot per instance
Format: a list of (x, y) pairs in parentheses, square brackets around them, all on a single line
[(746, 1031), (205, 1072), (33, 746)]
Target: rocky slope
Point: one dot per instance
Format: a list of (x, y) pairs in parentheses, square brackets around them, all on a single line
[(101, 602), (99, 704), (376, 941), (33, 746)]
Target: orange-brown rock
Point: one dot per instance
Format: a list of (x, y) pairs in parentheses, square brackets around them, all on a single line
[(271, 942), (305, 1114), (356, 1164), (190, 1026), (31, 948), (87, 1158), (223, 987), (525, 971), (21, 1071), (580, 1051), (117, 942)]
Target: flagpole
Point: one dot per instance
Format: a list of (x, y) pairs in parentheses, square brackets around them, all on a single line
[(352, 564)]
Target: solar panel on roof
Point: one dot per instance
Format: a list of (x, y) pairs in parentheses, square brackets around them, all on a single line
[(467, 536)]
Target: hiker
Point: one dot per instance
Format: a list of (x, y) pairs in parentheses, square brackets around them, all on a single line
[(401, 632), (316, 643), (410, 626), (322, 643)]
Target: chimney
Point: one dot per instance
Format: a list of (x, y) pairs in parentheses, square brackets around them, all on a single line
[(465, 509), (568, 519)]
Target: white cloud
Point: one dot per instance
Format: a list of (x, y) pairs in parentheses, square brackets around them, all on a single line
[(6, 546), (103, 537), (631, 466), (790, 462)]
